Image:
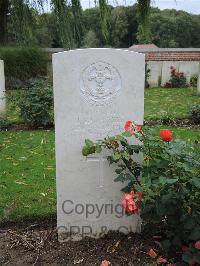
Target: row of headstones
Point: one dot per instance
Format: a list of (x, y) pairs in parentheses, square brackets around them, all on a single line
[(2, 91)]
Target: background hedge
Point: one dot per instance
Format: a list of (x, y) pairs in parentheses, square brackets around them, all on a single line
[(22, 64)]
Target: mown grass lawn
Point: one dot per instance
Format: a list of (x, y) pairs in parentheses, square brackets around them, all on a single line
[(173, 103), (27, 172)]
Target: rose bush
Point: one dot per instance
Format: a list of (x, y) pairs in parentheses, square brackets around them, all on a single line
[(177, 80), (165, 188)]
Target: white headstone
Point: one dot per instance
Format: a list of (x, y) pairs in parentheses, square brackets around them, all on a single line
[(155, 73), (2, 91), (95, 92), (198, 82)]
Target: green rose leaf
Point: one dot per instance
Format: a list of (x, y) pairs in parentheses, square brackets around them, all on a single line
[(85, 151), (116, 157), (196, 181), (88, 150), (171, 180), (89, 143)]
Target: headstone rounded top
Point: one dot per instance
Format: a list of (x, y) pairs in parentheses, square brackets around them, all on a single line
[(96, 50)]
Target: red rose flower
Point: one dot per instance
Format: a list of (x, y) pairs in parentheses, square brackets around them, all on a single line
[(128, 126), (128, 203), (166, 135), (105, 263), (152, 253), (197, 245), (132, 128), (173, 69), (138, 128)]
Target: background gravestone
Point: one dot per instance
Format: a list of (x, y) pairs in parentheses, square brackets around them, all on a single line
[(2, 91), (95, 92)]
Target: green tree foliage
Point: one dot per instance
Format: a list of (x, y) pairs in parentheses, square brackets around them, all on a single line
[(119, 26), (44, 24), (63, 17), (4, 5), (90, 40), (22, 23), (144, 33), (67, 25), (20, 18), (78, 29), (166, 27), (195, 31), (132, 25), (104, 15), (91, 19)]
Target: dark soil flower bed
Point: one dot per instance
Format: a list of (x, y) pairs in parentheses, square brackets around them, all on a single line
[(178, 122), (36, 244), (21, 126)]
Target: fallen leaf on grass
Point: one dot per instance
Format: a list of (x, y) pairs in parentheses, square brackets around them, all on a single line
[(20, 183), (23, 158), (49, 168)]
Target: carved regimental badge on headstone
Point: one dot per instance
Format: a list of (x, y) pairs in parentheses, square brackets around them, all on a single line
[(100, 83)]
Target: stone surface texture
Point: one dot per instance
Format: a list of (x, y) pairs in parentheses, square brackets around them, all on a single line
[(2, 90)]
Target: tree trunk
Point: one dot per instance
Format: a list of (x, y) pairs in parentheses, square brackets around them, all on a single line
[(4, 4)]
